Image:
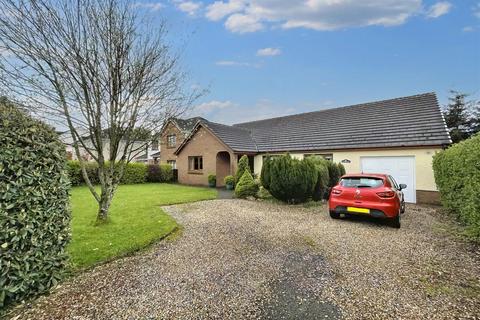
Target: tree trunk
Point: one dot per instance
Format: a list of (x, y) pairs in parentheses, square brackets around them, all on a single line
[(106, 196), (104, 205)]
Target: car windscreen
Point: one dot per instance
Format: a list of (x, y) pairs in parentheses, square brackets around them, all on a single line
[(361, 182)]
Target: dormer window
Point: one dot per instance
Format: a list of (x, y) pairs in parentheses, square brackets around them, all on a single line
[(171, 140)]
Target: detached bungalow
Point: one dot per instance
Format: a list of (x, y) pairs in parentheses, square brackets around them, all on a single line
[(397, 136)]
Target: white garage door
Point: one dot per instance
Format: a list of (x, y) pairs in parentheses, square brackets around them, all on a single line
[(401, 168)]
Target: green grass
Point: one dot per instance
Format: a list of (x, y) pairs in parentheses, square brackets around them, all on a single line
[(136, 220)]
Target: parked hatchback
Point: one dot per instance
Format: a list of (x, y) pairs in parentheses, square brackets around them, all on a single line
[(376, 195)]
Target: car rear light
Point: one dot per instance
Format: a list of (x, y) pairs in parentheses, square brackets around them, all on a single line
[(336, 191), (386, 194)]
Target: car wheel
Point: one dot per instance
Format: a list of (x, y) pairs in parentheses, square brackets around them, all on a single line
[(402, 206), (334, 215), (396, 221)]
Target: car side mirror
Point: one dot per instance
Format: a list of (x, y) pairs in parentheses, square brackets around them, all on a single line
[(403, 186)]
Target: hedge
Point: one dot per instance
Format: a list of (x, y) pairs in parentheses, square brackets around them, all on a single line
[(34, 210), (159, 173), (134, 173), (457, 175)]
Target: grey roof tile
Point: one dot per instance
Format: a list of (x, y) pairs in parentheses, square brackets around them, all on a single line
[(402, 122), (408, 121)]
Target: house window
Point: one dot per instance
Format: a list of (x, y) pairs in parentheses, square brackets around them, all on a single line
[(155, 145), (172, 163), (326, 156), (171, 140), (195, 163)]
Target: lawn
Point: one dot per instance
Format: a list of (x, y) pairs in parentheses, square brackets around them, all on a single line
[(136, 220)]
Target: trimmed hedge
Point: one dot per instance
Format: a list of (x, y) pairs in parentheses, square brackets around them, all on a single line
[(292, 180), (246, 186), (457, 175), (34, 210), (159, 173), (134, 173)]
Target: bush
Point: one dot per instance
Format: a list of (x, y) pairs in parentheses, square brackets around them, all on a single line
[(457, 175), (333, 173), (265, 174), (159, 173), (74, 172), (292, 180), (341, 169), (320, 191), (34, 210), (246, 186), (212, 180), (229, 180), (134, 173), (242, 166)]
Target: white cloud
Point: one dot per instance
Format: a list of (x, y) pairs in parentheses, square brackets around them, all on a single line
[(476, 10), (207, 107), (228, 112), (243, 23), (219, 9), (152, 6), (269, 52), (189, 7), (244, 16), (468, 29), (232, 63), (439, 9)]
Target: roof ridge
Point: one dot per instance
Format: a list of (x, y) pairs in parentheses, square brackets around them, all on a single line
[(342, 107)]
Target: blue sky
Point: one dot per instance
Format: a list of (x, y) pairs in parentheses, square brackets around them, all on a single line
[(266, 58)]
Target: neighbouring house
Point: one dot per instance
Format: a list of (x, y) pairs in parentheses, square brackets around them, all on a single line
[(141, 152), (397, 136)]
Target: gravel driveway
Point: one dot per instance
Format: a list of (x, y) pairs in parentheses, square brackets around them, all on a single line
[(244, 260)]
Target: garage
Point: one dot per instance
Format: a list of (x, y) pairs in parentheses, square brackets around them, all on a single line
[(402, 168)]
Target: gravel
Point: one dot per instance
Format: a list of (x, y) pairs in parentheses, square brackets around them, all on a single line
[(239, 259)]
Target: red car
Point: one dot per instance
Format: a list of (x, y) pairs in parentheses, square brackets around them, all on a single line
[(376, 195)]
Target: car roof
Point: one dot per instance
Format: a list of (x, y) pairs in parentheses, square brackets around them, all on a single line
[(371, 175)]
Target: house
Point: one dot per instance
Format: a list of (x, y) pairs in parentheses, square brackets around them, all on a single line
[(397, 136), (142, 151)]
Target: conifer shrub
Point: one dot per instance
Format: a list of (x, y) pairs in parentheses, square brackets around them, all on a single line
[(292, 180), (246, 186), (242, 166)]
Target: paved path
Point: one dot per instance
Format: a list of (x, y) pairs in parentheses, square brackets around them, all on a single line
[(223, 193), (241, 259)]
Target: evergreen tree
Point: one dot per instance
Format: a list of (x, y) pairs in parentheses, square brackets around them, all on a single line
[(242, 166), (265, 174), (457, 116)]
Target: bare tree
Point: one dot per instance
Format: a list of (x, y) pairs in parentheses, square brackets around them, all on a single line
[(94, 66)]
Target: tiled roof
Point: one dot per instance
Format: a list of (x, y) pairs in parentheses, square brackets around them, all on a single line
[(236, 138), (187, 125), (402, 122)]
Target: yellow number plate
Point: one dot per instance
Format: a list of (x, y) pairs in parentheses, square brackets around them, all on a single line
[(359, 210)]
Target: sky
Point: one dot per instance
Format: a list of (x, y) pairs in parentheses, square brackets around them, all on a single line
[(265, 58)]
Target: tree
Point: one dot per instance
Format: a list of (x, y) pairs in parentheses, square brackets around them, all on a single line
[(242, 166), (265, 173), (457, 116), (93, 67)]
